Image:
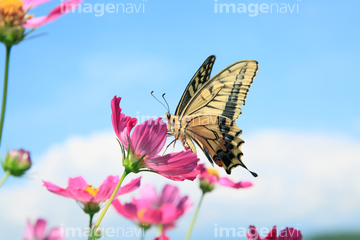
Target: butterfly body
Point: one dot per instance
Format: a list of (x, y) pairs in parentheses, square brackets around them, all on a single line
[(208, 109)]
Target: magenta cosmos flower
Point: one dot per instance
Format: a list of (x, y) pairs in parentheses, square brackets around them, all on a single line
[(152, 209), (144, 144), (162, 237), (14, 17), (37, 232), (286, 234), (89, 196), (210, 176)]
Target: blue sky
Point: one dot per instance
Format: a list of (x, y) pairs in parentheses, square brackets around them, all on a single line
[(61, 83)]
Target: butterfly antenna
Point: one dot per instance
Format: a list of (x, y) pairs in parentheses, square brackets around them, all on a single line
[(158, 100), (163, 96)]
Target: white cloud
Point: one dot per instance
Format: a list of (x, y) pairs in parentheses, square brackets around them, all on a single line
[(310, 179)]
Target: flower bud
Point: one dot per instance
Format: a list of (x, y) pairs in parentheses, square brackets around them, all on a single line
[(17, 162), (206, 185), (98, 233)]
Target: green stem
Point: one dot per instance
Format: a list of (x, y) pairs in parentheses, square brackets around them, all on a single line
[(6, 77), (142, 234), (91, 220), (7, 174), (159, 230), (107, 205), (194, 218)]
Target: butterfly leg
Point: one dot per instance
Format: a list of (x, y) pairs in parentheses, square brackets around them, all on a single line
[(188, 143), (174, 146), (173, 141)]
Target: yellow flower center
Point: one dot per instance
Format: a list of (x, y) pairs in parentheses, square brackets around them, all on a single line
[(90, 189), (141, 213), (213, 172), (11, 12), (11, 3)]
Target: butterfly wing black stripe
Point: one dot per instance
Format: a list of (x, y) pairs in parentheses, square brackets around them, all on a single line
[(201, 76), (207, 96)]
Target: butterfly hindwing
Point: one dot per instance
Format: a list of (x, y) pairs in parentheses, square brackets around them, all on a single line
[(201, 76), (218, 137)]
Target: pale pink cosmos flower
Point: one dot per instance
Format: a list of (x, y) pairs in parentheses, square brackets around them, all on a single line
[(152, 208), (91, 197), (210, 176), (37, 232), (146, 141), (286, 234), (61, 9)]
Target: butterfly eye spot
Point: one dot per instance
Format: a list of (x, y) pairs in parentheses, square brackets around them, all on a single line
[(168, 116)]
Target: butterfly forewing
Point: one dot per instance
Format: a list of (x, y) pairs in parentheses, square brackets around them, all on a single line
[(224, 93), (201, 76)]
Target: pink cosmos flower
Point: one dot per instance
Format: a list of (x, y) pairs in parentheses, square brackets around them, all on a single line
[(37, 232), (14, 18), (91, 197), (162, 237), (210, 176), (14, 12), (145, 143), (64, 7), (286, 234), (152, 209)]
